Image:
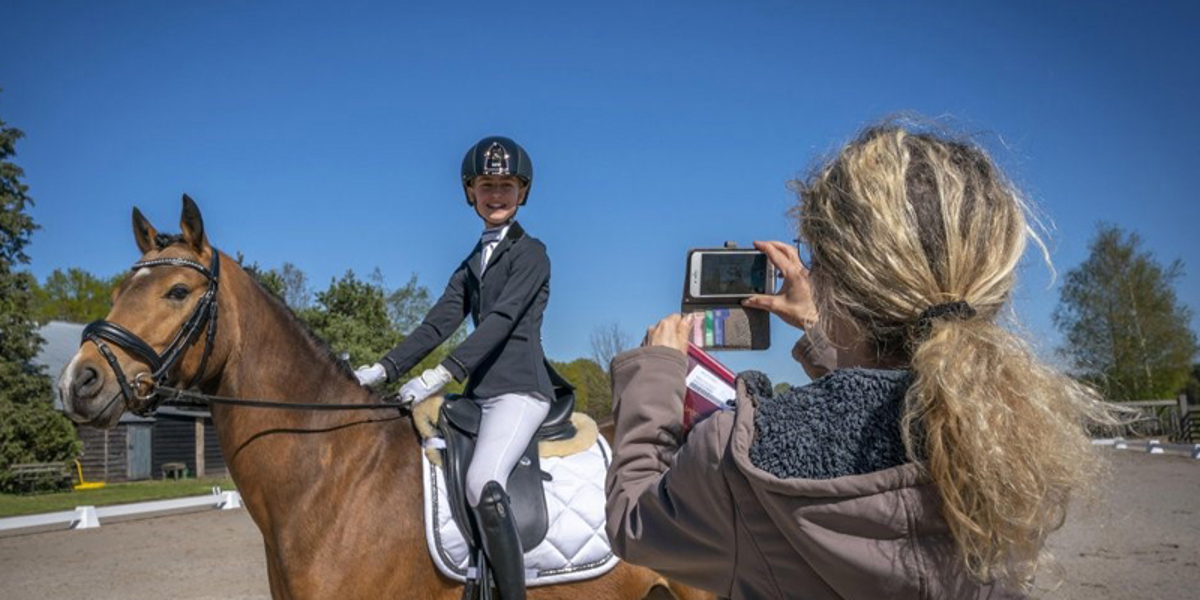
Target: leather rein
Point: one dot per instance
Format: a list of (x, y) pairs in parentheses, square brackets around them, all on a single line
[(158, 392)]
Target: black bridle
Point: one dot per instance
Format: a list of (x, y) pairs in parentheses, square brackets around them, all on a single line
[(157, 390), (205, 313)]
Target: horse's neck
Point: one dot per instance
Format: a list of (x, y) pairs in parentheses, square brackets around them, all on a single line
[(280, 457)]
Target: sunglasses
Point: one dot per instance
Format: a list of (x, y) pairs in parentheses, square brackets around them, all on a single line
[(805, 252)]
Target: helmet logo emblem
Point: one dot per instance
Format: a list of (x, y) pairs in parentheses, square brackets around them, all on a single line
[(495, 160)]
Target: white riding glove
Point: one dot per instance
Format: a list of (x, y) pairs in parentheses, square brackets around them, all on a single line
[(370, 375), (425, 385)]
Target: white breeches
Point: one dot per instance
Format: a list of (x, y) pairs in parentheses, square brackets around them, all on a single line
[(508, 422)]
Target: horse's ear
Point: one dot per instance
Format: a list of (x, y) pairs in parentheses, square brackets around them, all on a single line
[(192, 225), (143, 232)]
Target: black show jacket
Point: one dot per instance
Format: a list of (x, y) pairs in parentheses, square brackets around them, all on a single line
[(504, 353)]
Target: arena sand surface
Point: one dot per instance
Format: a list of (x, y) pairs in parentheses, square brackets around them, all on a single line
[(1142, 541)]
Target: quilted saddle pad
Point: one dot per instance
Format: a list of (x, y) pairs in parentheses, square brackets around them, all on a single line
[(575, 547)]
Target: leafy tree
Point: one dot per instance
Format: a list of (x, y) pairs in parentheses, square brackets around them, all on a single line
[(782, 388), (270, 279), (353, 316), (75, 295), (30, 429), (1126, 332), (593, 391)]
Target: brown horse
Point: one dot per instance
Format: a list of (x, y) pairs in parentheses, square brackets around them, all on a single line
[(337, 495)]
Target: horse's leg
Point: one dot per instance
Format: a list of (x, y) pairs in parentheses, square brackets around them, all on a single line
[(274, 577)]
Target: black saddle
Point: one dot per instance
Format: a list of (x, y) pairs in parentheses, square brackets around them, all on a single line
[(459, 425)]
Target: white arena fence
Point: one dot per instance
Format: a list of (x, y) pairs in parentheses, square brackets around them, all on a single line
[(1150, 446), (87, 517)]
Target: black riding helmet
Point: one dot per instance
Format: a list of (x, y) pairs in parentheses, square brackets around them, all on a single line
[(497, 155)]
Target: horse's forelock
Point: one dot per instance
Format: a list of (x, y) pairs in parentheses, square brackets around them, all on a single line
[(164, 240)]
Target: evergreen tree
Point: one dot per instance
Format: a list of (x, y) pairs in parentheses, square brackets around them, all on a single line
[(1126, 332), (30, 429), (352, 317)]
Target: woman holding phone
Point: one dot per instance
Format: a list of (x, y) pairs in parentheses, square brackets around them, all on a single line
[(933, 458)]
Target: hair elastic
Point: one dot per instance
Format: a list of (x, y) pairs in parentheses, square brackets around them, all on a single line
[(961, 310)]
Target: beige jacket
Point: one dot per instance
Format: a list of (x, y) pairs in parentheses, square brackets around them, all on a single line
[(701, 513)]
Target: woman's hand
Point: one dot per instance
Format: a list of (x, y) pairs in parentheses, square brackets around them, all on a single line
[(794, 302), (672, 332)]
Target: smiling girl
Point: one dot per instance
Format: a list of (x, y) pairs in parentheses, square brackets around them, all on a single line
[(504, 284)]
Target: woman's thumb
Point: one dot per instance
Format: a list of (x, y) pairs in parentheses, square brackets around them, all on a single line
[(761, 301)]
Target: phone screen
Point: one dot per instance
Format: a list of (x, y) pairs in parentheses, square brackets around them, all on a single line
[(733, 273)]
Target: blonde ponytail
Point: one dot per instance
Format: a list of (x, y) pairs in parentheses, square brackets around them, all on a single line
[(1000, 435), (900, 222)]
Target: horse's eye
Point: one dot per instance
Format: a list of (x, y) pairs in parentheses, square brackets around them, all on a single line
[(178, 292)]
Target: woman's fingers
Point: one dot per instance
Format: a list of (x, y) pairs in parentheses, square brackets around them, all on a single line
[(784, 256), (761, 301), (684, 327), (672, 331)]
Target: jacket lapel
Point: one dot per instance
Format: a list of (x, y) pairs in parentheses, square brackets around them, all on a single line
[(515, 233), (473, 260)]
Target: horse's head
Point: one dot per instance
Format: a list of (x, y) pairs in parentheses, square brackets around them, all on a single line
[(161, 329)]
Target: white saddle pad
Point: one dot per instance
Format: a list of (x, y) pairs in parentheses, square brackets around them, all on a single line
[(575, 547)]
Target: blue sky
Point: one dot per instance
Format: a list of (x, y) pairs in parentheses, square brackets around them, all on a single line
[(330, 136)]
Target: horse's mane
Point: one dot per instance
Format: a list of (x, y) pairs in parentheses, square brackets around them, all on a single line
[(319, 345)]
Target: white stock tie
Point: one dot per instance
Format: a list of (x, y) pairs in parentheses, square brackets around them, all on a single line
[(490, 239)]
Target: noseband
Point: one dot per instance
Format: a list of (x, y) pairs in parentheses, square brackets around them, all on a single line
[(205, 312)]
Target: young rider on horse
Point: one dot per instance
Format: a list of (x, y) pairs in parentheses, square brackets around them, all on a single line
[(504, 284)]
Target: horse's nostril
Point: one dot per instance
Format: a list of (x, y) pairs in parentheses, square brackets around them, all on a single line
[(87, 383)]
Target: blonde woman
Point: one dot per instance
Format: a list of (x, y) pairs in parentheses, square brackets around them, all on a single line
[(934, 457)]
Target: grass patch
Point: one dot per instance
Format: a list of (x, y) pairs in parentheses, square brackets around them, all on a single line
[(115, 493)]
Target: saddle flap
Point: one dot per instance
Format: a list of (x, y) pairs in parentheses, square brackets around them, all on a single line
[(465, 415), (459, 425)]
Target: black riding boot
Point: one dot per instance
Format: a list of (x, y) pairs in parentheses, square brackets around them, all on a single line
[(501, 542)]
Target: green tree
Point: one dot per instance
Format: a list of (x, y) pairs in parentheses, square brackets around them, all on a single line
[(593, 390), (30, 429), (1126, 332), (74, 295), (351, 315), (269, 279)]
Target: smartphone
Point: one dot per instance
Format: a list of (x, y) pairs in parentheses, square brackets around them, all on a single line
[(729, 273)]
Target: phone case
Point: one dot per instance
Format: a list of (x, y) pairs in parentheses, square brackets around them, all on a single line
[(721, 323)]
